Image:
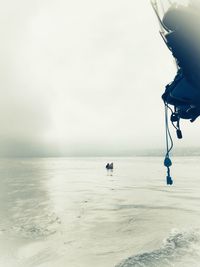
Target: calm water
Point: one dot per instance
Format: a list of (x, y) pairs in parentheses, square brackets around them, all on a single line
[(68, 212)]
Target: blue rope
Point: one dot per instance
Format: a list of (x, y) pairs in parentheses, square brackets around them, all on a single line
[(167, 160)]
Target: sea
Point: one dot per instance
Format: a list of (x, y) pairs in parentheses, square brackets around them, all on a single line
[(72, 212)]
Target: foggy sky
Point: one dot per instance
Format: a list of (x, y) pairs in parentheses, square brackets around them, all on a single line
[(82, 78)]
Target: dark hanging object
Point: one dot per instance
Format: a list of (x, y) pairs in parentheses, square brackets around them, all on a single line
[(180, 29)]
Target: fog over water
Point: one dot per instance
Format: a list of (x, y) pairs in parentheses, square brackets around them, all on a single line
[(82, 78)]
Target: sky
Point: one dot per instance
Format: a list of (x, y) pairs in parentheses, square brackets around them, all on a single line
[(83, 78)]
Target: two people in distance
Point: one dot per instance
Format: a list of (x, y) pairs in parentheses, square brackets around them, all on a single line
[(109, 166)]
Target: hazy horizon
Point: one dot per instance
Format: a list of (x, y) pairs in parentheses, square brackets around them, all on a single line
[(156, 152), (83, 78)]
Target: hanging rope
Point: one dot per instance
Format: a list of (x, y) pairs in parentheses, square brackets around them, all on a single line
[(156, 10), (169, 146)]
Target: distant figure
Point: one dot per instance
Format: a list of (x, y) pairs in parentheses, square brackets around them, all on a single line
[(109, 167)]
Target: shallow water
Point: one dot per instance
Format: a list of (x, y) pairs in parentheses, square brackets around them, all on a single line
[(71, 212)]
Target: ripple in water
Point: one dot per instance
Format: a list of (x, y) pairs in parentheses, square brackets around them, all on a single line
[(38, 227), (180, 249)]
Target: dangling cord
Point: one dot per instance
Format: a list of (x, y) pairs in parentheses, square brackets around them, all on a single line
[(167, 161), (175, 118), (178, 130)]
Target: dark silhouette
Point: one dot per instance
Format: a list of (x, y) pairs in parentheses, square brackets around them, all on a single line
[(180, 29), (183, 40), (109, 167)]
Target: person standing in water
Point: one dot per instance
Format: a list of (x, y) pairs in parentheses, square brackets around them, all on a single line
[(109, 167)]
